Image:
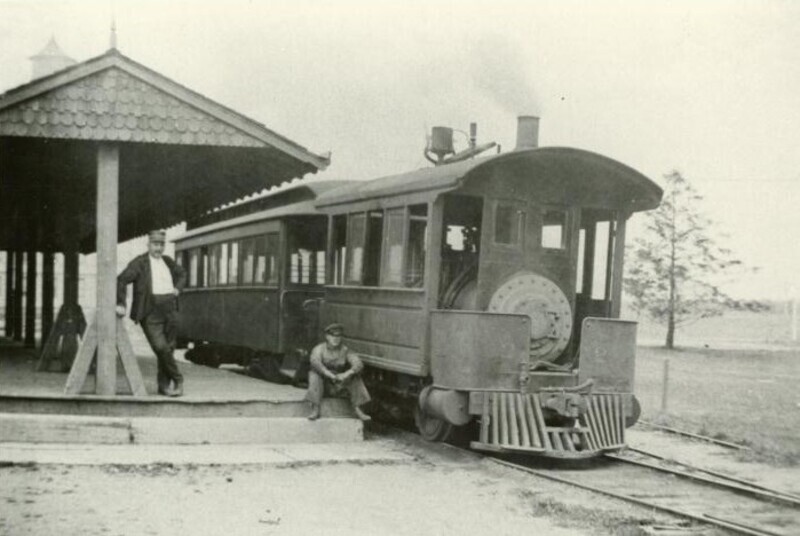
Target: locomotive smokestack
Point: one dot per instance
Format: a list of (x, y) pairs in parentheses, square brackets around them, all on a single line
[(527, 132)]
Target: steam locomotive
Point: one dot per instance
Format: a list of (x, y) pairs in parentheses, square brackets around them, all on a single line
[(484, 290)]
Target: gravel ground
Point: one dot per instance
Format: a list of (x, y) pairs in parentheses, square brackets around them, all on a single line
[(251, 500), (436, 489)]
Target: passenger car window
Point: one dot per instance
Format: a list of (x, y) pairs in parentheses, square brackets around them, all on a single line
[(306, 245), (248, 249), (214, 254), (266, 259), (356, 236), (233, 263), (417, 245), (393, 248), (194, 267)]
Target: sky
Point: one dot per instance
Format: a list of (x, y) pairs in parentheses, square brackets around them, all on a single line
[(708, 88)]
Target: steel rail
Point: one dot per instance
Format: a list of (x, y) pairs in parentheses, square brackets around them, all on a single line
[(717, 474), (676, 431), (725, 485), (713, 520)]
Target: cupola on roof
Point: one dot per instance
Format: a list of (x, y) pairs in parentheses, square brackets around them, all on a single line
[(49, 60)]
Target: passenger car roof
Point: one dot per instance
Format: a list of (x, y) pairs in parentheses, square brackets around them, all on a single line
[(556, 163)]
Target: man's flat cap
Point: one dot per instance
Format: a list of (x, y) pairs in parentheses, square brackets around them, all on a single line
[(334, 329), (158, 236)]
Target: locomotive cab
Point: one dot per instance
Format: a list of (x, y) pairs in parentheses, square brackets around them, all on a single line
[(489, 290)]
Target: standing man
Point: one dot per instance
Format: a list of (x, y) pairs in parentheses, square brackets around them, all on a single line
[(334, 362), (157, 281)]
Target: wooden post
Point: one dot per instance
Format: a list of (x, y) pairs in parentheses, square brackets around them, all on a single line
[(665, 387), (18, 295), (48, 292), (105, 335), (30, 299), (9, 310), (107, 213)]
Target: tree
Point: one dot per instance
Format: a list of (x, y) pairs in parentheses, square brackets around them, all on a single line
[(675, 269)]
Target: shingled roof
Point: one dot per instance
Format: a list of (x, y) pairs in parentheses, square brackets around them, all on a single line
[(113, 98), (182, 154)]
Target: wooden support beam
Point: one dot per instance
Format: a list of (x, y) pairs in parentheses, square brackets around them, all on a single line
[(48, 292), (18, 260), (87, 350), (106, 225), (106, 336), (30, 299), (9, 305)]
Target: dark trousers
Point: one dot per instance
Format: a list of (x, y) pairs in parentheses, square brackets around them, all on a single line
[(160, 327)]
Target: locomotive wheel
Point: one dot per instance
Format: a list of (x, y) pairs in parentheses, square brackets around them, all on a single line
[(431, 428)]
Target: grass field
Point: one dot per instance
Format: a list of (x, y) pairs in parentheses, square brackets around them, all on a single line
[(742, 395)]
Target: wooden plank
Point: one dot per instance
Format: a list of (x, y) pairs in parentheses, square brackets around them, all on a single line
[(18, 264), (608, 402), (567, 441), (531, 417), (9, 310), (83, 360), (601, 418), (106, 223), (537, 408), (48, 293), (128, 358), (512, 418), (556, 440), (30, 298), (495, 421), (595, 436), (525, 433), (503, 419)]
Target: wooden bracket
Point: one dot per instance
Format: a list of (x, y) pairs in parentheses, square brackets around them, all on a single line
[(87, 352), (63, 340)]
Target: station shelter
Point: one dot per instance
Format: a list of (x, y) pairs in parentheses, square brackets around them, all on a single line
[(99, 152)]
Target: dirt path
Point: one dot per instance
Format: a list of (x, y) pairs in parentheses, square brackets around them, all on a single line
[(413, 498)]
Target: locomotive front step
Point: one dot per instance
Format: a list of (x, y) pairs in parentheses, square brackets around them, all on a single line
[(515, 422)]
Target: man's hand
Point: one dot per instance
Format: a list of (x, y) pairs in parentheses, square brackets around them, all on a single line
[(176, 291), (345, 376), (120, 310)]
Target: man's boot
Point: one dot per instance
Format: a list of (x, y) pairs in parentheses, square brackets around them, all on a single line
[(361, 415), (314, 415), (163, 388), (178, 391)]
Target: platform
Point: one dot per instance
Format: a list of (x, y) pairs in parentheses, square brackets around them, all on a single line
[(220, 406)]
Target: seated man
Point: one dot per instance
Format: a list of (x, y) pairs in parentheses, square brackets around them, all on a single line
[(334, 362)]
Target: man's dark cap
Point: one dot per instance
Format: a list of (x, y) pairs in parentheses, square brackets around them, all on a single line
[(334, 329), (158, 236)]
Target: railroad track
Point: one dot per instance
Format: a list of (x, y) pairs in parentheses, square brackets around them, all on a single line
[(682, 490)]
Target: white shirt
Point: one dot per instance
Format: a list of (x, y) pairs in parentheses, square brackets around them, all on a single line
[(161, 276)]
